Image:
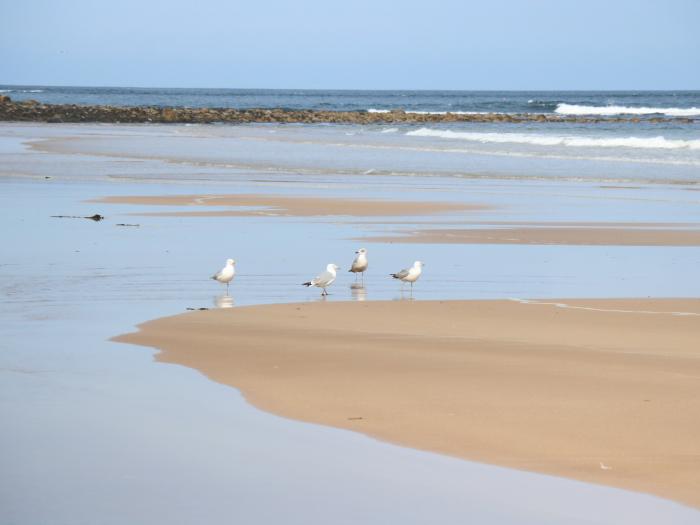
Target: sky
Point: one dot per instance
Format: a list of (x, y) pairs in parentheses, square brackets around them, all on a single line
[(356, 44)]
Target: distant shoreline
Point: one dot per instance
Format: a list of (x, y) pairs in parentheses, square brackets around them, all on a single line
[(34, 111)]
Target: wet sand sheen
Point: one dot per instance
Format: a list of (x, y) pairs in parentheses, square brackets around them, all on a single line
[(606, 392)]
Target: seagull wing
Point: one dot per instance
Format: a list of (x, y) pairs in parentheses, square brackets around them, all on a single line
[(400, 275), (323, 279)]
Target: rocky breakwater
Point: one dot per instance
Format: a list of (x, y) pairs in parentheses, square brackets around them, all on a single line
[(33, 111)]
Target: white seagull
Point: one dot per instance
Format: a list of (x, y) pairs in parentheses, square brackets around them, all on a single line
[(409, 275), (225, 275), (359, 265), (325, 279)]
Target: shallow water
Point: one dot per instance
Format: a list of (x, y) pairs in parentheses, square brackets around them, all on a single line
[(96, 432)]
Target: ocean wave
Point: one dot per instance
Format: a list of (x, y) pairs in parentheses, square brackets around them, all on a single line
[(21, 90), (575, 109), (560, 140), (456, 112), (542, 103), (418, 112)]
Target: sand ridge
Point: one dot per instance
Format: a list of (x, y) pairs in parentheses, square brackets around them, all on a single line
[(474, 232), (286, 206), (564, 235), (605, 391)]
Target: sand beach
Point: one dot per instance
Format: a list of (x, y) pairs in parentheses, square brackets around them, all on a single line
[(549, 348), (604, 391)]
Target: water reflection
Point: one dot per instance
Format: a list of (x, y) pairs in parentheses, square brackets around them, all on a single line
[(223, 301), (358, 291), (405, 295)]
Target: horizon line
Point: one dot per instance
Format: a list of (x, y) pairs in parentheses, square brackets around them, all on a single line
[(609, 90)]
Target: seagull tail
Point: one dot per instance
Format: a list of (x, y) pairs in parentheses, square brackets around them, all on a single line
[(306, 283), (394, 275)]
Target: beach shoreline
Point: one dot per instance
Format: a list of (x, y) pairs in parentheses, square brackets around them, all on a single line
[(602, 391)]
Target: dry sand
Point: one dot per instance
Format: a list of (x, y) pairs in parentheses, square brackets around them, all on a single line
[(530, 386), (276, 205), (572, 235)]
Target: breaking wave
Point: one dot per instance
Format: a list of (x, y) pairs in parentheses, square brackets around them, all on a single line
[(575, 109), (559, 140)]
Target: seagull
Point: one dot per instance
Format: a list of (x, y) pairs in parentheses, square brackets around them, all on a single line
[(359, 265), (325, 279), (409, 275), (225, 276)]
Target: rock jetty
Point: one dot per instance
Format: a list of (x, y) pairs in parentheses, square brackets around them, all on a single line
[(33, 111)]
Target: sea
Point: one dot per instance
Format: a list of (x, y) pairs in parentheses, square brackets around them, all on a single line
[(600, 103), (660, 129)]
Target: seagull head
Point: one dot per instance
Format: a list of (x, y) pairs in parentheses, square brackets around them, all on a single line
[(230, 262), (361, 250), (332, 267), (418, 264)]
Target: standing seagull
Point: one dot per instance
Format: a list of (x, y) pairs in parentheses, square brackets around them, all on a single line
[(324, 279), (226, 274), (359, 265), (409, 275)]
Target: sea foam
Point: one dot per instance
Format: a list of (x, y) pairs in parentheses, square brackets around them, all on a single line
[(575, 109), (659, 142)]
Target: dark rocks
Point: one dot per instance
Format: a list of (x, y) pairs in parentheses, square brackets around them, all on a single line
[(97, 217), (33, 111)]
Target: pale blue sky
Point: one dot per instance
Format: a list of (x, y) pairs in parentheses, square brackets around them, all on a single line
[(372, 44)]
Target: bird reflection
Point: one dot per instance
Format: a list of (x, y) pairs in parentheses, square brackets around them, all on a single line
[(223, 301), (404, 296), (358, 291)]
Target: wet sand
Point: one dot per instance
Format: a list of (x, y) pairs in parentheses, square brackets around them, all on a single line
[(604, 391), (285, 206), (583, 236), (543, 233)]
